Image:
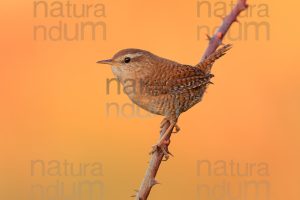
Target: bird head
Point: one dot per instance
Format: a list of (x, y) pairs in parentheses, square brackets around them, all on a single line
[(130, 61)]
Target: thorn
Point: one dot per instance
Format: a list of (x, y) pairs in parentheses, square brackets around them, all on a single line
[(237, 21), (133, 196), (208, 37), (210, 82), (170, 154), (243, 6), (154, 182)]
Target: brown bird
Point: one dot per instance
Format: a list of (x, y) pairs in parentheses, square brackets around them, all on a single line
[(162, 86)]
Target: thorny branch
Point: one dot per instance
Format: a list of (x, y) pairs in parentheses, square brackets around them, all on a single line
[(157, 157)]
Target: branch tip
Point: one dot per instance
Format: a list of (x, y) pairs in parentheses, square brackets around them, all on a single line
[(216, 39)]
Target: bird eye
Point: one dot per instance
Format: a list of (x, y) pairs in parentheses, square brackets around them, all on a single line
[(127, 60)]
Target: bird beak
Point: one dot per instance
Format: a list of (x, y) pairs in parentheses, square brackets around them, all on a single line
[(109, 61)]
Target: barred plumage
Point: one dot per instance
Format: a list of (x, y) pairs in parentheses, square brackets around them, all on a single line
[(162, 86)]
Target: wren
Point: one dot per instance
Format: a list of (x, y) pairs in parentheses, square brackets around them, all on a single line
[(162, 86)]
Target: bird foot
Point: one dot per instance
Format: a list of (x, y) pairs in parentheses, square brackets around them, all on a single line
[(165, 120), (164, 149)]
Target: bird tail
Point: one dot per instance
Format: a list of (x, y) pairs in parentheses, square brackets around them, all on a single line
[(207, 63)]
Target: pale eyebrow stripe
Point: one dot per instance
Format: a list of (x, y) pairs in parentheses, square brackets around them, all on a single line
[(133, 55)]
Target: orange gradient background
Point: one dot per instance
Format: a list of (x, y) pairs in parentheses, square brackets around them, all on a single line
[(53, 98)]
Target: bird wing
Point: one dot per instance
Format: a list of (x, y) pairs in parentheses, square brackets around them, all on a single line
[(175, 79)]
